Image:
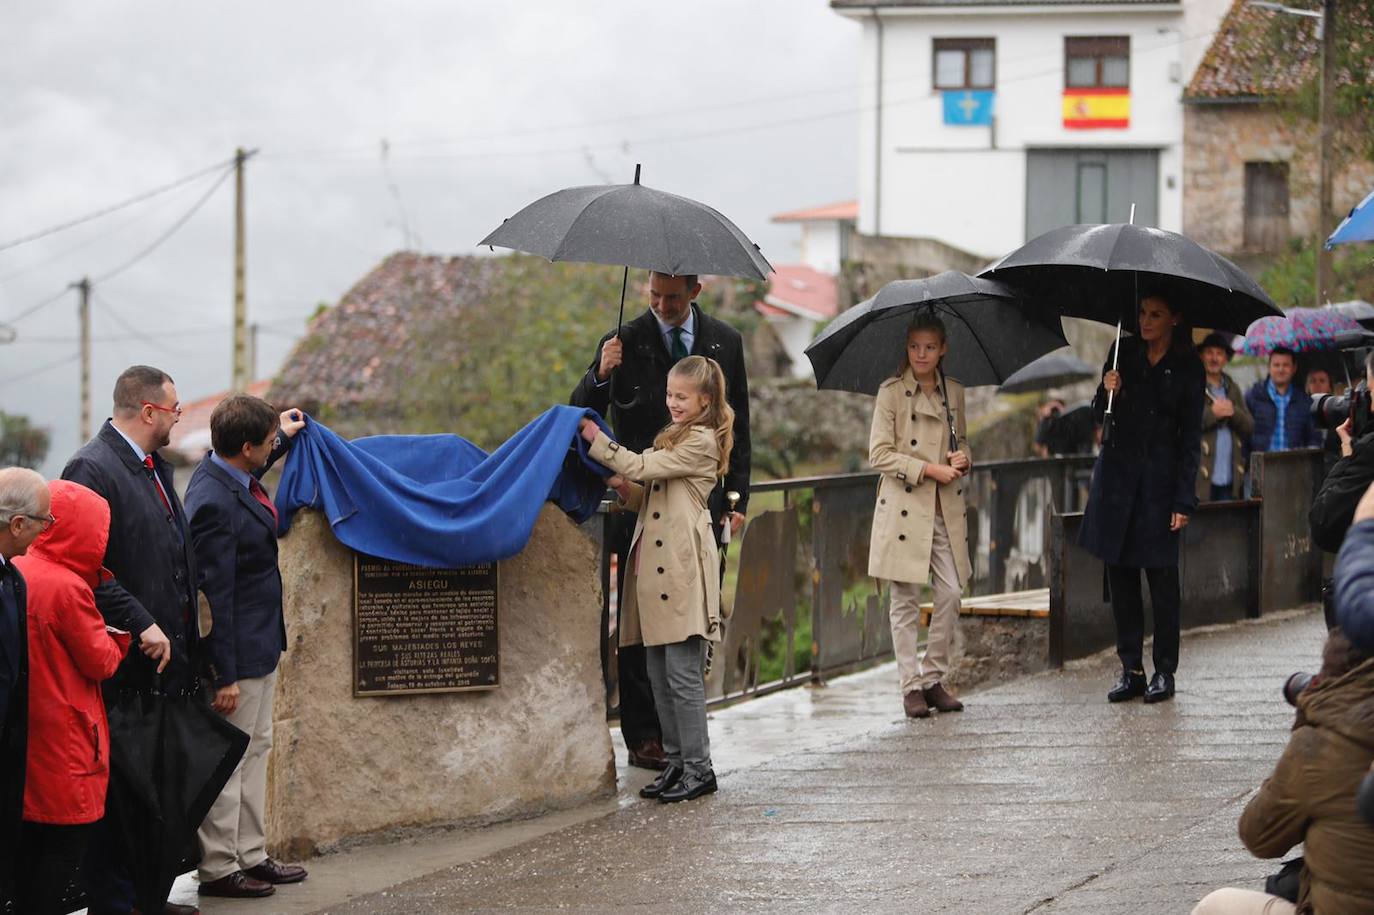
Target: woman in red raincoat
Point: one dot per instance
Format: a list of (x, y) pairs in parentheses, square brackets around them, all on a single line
[(70, 652)]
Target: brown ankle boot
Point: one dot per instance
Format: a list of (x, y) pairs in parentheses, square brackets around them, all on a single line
[(940, 700), (914, 704)]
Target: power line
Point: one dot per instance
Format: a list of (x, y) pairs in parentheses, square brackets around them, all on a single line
[(137, 198), (33, 308), (24, 376), (171, 230), (134, 332)]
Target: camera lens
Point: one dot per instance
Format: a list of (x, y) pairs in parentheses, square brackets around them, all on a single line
[(1294, 685)]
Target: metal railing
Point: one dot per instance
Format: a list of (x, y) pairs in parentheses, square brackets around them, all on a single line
[(804, 607)]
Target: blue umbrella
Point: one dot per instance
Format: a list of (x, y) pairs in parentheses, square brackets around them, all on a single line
[(1358, 226)]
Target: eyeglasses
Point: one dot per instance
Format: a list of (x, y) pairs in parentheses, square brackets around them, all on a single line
[(161, 409), (47, 520)]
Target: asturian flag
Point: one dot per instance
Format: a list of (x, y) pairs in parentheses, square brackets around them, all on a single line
[(1090, 109)]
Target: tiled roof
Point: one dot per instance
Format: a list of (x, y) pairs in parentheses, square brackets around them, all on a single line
[(1257, 53), (795, 288), (360, 352), (847, 210), (865, 4)]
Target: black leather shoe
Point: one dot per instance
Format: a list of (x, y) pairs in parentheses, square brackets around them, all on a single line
[(1131, 685), (1161, 688), (689, 787), (666, 779)]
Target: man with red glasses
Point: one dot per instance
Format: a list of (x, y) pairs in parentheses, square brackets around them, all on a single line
[(154, 589)]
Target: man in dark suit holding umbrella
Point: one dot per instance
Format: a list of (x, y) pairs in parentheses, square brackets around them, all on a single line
[(153, 595), (627, 383)]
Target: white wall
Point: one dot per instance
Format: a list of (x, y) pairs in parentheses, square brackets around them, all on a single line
[(820, 245), (949, 182), (795, 334)]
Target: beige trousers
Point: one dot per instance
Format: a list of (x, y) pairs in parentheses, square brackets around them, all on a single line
[(916, 672), (1231, 901), (233, 836)]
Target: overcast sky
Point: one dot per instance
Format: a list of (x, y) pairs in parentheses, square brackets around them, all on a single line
[(748, 105)]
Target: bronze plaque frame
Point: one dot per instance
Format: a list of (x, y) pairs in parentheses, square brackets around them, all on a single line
[(485, 644)]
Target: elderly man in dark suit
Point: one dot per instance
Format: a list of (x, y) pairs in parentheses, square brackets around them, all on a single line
[(234, 530), (24, 514), (627, 383), (153, 594)]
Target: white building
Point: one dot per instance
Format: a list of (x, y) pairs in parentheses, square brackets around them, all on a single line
[(986, 122)]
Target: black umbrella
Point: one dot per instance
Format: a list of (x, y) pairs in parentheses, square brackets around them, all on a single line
[(170, 756), (1052, 370), (634, 226), (1100, 271), (991, 333)]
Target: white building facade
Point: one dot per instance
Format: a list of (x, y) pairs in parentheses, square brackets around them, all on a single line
[(986, 123)]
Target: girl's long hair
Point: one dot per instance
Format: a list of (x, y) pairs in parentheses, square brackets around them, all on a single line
[(719, 416)]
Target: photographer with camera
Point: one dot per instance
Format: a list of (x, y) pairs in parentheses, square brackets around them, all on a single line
[(1334, 507), (1311, 798)]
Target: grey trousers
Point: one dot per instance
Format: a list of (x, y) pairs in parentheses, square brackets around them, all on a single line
[(677, 675), (233, 835), (914, 671)]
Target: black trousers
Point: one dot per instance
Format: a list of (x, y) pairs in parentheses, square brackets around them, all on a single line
[(638, 718), (49, 864), (1129, 610)]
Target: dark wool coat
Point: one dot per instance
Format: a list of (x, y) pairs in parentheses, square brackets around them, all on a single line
[(642, 380), (1148, 469), (151, 557)]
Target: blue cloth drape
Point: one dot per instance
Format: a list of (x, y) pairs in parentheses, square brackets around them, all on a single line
[(439, 500)]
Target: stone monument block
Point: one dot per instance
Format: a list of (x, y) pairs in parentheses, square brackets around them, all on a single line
[(344, 767)]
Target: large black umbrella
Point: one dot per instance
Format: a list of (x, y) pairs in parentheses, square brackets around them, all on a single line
[(170, 756), (633, 226), (1100, 271), (1052, 370), (991, 333)]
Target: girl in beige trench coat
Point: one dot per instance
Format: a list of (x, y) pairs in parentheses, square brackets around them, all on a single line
[(919, 528), (672, 584)]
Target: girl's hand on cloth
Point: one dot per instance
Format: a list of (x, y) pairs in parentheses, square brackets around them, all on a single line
[(958, 460), (621, 486), (588, 429), (942, 473)]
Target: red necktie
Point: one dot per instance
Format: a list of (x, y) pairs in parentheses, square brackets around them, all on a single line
[(157, 484), (261, 495)]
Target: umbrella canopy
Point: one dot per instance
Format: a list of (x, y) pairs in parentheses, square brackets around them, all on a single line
[(1357, 226), (1356, 309), (170, 756), (1098, 272), (1303, 330), (1052, 370), (991, 333), (633, 226)]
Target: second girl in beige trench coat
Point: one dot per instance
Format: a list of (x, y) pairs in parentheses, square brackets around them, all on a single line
[(919, 527)]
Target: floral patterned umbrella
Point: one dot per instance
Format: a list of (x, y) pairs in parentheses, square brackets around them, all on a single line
[(1303, 330)]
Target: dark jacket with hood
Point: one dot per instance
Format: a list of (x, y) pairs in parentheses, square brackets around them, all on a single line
[(1310, 798)]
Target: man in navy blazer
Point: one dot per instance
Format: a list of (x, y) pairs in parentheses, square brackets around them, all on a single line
[(234, 532)]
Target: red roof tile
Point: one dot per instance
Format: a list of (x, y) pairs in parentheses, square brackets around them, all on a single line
[(846, 211), (797, 288)]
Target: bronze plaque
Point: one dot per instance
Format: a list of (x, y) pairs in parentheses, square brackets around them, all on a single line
[(419, 630)]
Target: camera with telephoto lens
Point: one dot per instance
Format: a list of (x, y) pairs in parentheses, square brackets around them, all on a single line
[(1295, 684), (1330, 410)]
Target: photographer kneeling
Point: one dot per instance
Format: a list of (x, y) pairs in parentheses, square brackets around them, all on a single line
[(1311, 798), (1333, 508)]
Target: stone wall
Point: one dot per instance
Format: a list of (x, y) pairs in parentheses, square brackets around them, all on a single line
[(345, 768), (1219, 139)]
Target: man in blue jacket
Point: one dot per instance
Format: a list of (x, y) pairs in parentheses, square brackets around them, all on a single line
[(1354, 577), (234, 532), (1282, 410)]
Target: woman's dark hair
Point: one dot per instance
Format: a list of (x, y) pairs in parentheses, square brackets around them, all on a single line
[(1182, 340), (925, 319)]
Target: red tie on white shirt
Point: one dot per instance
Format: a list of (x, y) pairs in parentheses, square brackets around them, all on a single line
[(260, 494), (157, 484)]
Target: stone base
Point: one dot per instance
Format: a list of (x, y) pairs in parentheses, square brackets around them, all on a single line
[(998, 649), (344, 768)]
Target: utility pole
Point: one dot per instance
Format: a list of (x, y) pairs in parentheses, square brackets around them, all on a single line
[(253, 351), (84, 311), (240, 367), (1325, 115)]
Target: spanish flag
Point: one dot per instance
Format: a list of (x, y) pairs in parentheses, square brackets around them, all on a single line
[(1089, 109)]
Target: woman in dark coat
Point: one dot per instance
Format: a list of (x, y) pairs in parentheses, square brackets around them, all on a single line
[(1143, 489)]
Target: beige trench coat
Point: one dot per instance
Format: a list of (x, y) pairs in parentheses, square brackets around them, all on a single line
[(909, 431), (672, 584)]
